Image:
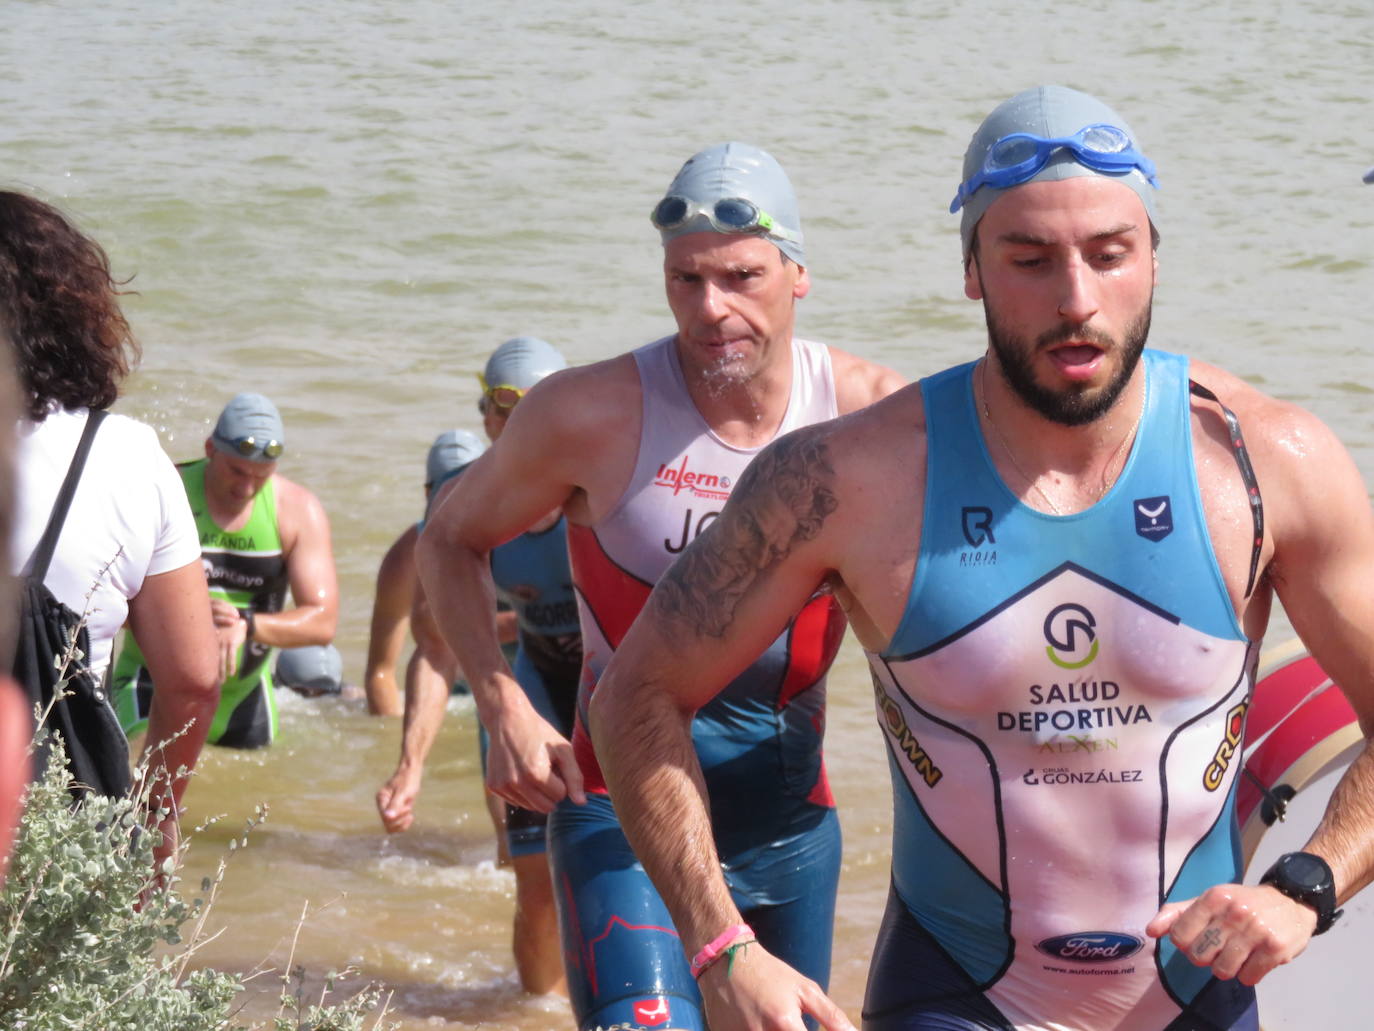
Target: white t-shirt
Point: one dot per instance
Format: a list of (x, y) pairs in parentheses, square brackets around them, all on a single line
[(129, 514)]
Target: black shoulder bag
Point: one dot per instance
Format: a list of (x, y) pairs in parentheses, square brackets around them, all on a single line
[(97, 750)]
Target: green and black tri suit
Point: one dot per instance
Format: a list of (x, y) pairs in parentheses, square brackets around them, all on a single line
[(246, 568)]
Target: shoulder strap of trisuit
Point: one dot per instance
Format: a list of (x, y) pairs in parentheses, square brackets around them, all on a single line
[(1247, 473), (47, 544)]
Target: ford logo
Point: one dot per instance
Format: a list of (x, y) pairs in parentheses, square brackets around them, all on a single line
[(1091, 946)]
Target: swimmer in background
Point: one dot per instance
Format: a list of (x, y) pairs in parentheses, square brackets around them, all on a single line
[(432, 673), (260, 534), (532, 576), (315, 671), (397, 583)]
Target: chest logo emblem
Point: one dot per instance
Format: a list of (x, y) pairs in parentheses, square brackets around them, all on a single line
[(978, 525), (1071, 632), (1154, 518), (698, 484), (1091, 946)]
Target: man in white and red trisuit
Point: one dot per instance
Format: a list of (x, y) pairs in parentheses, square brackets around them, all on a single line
[(641, 452)]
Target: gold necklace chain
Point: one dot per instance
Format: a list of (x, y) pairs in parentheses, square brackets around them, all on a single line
[(1034, 484)]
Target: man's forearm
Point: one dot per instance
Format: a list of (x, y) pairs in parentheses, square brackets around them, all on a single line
[(1345, 836), (384, 646), (644, 745), (297, 627), (383, 694), (426, 699)]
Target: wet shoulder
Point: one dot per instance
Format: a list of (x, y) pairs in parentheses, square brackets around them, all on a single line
[(1310, 489), (579, 429), (860, 382), (1283, 439), (583, 402), (298, 511)]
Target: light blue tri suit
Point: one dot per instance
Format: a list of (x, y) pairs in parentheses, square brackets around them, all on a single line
[(1057, 702)]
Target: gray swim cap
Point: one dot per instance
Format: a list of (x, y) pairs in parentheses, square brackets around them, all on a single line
[(250, 427), (316, 669), (521, 362), (730, 170), (451, 453), (1047, 111)]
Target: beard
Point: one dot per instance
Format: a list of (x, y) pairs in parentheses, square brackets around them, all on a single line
[(1078, 403)]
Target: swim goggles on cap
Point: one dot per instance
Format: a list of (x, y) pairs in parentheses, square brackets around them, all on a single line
[(248, 447), (727, 215), (1020, 156), (504, 396)]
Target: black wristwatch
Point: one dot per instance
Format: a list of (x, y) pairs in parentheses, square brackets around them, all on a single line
[(247, 615), (1306, 878)]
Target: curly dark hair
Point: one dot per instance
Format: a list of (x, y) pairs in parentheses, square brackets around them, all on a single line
[(61, 307)]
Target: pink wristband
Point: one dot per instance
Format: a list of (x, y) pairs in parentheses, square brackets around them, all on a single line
[(713, 950)]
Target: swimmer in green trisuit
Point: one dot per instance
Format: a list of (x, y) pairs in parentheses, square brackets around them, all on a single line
[(259, 534)]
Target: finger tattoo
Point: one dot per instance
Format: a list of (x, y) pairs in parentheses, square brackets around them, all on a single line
[(1206, 942)]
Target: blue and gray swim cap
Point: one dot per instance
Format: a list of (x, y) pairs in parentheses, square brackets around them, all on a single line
[(250, 427), (1048, 112), (732, 172), (311, 670), (451, 453), (521, 362)]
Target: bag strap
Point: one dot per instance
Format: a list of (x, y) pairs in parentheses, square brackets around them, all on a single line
[(47, 544)]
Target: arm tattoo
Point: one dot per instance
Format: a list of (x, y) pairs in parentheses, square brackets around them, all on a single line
[(782, 499)]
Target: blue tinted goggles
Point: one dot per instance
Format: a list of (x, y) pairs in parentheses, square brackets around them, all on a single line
[(1016, 158), (727, 215)]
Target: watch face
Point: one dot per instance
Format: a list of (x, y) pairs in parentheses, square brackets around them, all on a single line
[(1304, 870)]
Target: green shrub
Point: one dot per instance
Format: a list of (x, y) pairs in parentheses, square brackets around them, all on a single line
[(81, 919)]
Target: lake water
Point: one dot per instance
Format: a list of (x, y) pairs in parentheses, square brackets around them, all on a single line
[(347, 205)]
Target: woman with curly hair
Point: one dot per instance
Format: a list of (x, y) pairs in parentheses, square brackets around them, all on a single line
[(128, 549)]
